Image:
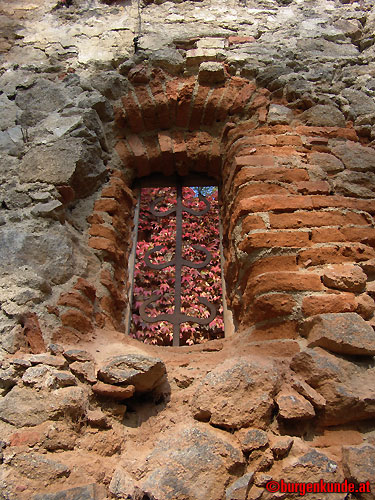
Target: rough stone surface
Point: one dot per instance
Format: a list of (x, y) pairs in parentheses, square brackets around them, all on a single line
[(343, 333), (279, 115), (89, 492), (292, 406), (365, 306), (239, 489), (69, 161), (347, 387), (191, 454), (347, 278), (144, 372), (25, 407), (220, 399), (252, 439), (281, 446), (359, 465), (211, 72), (323, 116), (85, 369), (36, 466), (307, 468)]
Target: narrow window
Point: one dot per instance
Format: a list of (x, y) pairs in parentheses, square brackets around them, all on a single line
[(177, 279)]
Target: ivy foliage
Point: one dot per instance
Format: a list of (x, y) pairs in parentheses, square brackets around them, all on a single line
[(205, 282)]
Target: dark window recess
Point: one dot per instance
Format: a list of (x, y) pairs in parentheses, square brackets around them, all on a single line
[(177, 280)]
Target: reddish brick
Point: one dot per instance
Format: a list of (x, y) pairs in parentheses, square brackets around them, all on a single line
[(95, 219), (85, 287), (316, 219), (139, 151), (313, 187), (259, 188), (262, 114), (33, 334), (212, 105), (266, 203), (108, 205), (269, 264), (288, 140), (330, 132), (365, 235), (198, 107), (252, 222), (123, 226), (77, 300), (281, 174), (103, 231), (321, 201), (180, 152), (235, 40), (352, 252), (109, 246), (123, 152), (259, 101), (268, 140), (147, 108), (27, 437), (255, 160), (162, 105), (153, 152), (282, 330), (77, 320), (67, 194), (171, 89), (242, 98), (282, 281), (293, 239), (184, 104), (272, 305), (136, 145), (328, 303), (120, 118), (166, 148), (133, 113), (229, 97)]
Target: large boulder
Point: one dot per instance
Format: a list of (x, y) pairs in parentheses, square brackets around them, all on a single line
[(143, 372), (89, 492), (23, 407), (192, 463), (343, 333), (50, 255), (238, 393), (312, 466), (359, 467), (69, 160), (347, 386), (355, 157), (323, 115)]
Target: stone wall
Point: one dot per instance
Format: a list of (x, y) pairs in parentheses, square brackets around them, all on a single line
[(275, 100)]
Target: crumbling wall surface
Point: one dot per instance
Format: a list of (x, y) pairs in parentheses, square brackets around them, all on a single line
[(276, 100)]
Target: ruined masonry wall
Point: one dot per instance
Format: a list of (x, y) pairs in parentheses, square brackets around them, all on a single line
[(275, 99)]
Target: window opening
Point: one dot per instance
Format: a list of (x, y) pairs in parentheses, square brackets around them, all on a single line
[(177, 281)]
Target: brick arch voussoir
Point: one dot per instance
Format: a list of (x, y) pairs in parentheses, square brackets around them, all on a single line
[(175, 124)]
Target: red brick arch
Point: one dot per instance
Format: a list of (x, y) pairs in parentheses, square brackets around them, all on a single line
[(284, 223)]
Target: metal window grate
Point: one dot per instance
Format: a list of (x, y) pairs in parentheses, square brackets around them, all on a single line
[(179, 262)]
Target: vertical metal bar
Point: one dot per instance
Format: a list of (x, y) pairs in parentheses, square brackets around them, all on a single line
[(178, 267), (131, 262)]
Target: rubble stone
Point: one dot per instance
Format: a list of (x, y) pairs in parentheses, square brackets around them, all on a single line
[(144, 372)]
